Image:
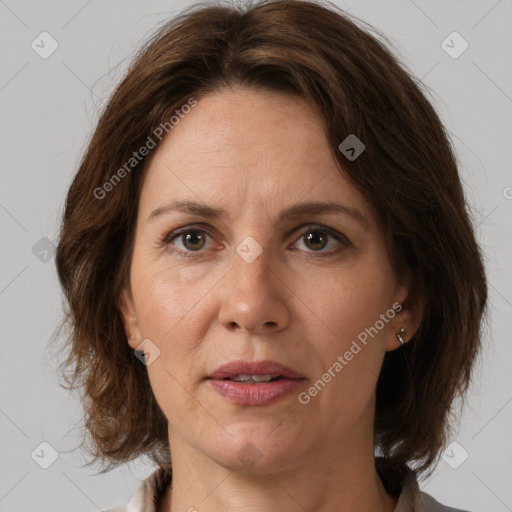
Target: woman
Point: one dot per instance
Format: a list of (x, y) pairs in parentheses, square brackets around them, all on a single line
[(270, 269)]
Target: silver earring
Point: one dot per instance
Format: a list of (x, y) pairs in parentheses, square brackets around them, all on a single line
[(400, 335)]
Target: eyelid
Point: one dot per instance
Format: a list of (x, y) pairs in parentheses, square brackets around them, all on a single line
[(171, 235)]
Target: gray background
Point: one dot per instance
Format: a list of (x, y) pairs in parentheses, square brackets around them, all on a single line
[(48, 108)]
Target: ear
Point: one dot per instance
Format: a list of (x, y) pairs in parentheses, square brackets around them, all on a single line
[(129, 317), (409, 308)]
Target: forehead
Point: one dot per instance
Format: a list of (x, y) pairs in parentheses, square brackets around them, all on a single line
[(248, 147), (248, 124)]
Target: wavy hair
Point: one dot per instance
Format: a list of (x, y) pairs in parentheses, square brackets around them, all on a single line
[(408, 173)]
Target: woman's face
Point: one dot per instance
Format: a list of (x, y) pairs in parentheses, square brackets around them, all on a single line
[(303, 290)]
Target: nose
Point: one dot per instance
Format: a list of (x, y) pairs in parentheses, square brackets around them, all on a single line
[(254, 296)]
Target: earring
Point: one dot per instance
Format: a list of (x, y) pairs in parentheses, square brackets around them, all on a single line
[(400, 335)]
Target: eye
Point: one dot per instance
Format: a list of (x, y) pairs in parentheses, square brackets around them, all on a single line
[(317, 238), (189, 240)]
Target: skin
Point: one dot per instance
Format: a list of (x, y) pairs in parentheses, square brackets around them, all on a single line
[(253, 153)]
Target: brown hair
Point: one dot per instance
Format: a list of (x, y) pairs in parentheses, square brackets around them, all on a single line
[(408, 173)]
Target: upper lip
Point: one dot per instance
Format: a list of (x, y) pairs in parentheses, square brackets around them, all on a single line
[(240, 367)]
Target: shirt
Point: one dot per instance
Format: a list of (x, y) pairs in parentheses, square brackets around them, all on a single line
[(399, 481)]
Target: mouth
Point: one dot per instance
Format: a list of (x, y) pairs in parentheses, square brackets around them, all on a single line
[(253, 372), (249, 383), (253, 379)]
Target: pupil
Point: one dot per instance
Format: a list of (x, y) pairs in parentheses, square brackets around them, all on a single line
[(314, 237)]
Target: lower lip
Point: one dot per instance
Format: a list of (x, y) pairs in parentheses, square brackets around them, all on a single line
[(254, 394)]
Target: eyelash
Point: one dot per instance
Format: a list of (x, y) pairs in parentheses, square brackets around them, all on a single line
[(168, 238)]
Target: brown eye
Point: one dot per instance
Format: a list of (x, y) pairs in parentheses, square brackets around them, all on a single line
[(193, 240), (187, 241), (316, 240)]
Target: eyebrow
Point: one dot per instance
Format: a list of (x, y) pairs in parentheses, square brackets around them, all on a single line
[(290, 213)]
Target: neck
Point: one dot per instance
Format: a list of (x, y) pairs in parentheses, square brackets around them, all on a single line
[(342, 479)]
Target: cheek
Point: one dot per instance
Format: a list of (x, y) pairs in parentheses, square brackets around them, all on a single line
[(350, 307), (353, 300), (349, 356), (167, 298), (159, 309), (171, 315), (174, 310)]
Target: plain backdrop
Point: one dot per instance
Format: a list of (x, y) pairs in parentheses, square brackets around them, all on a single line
[(49, 107)]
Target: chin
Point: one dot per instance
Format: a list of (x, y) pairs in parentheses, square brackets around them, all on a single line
[(252, 450)]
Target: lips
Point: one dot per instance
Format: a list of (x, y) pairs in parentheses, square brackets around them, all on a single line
[(244, 371), (245, 383)]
